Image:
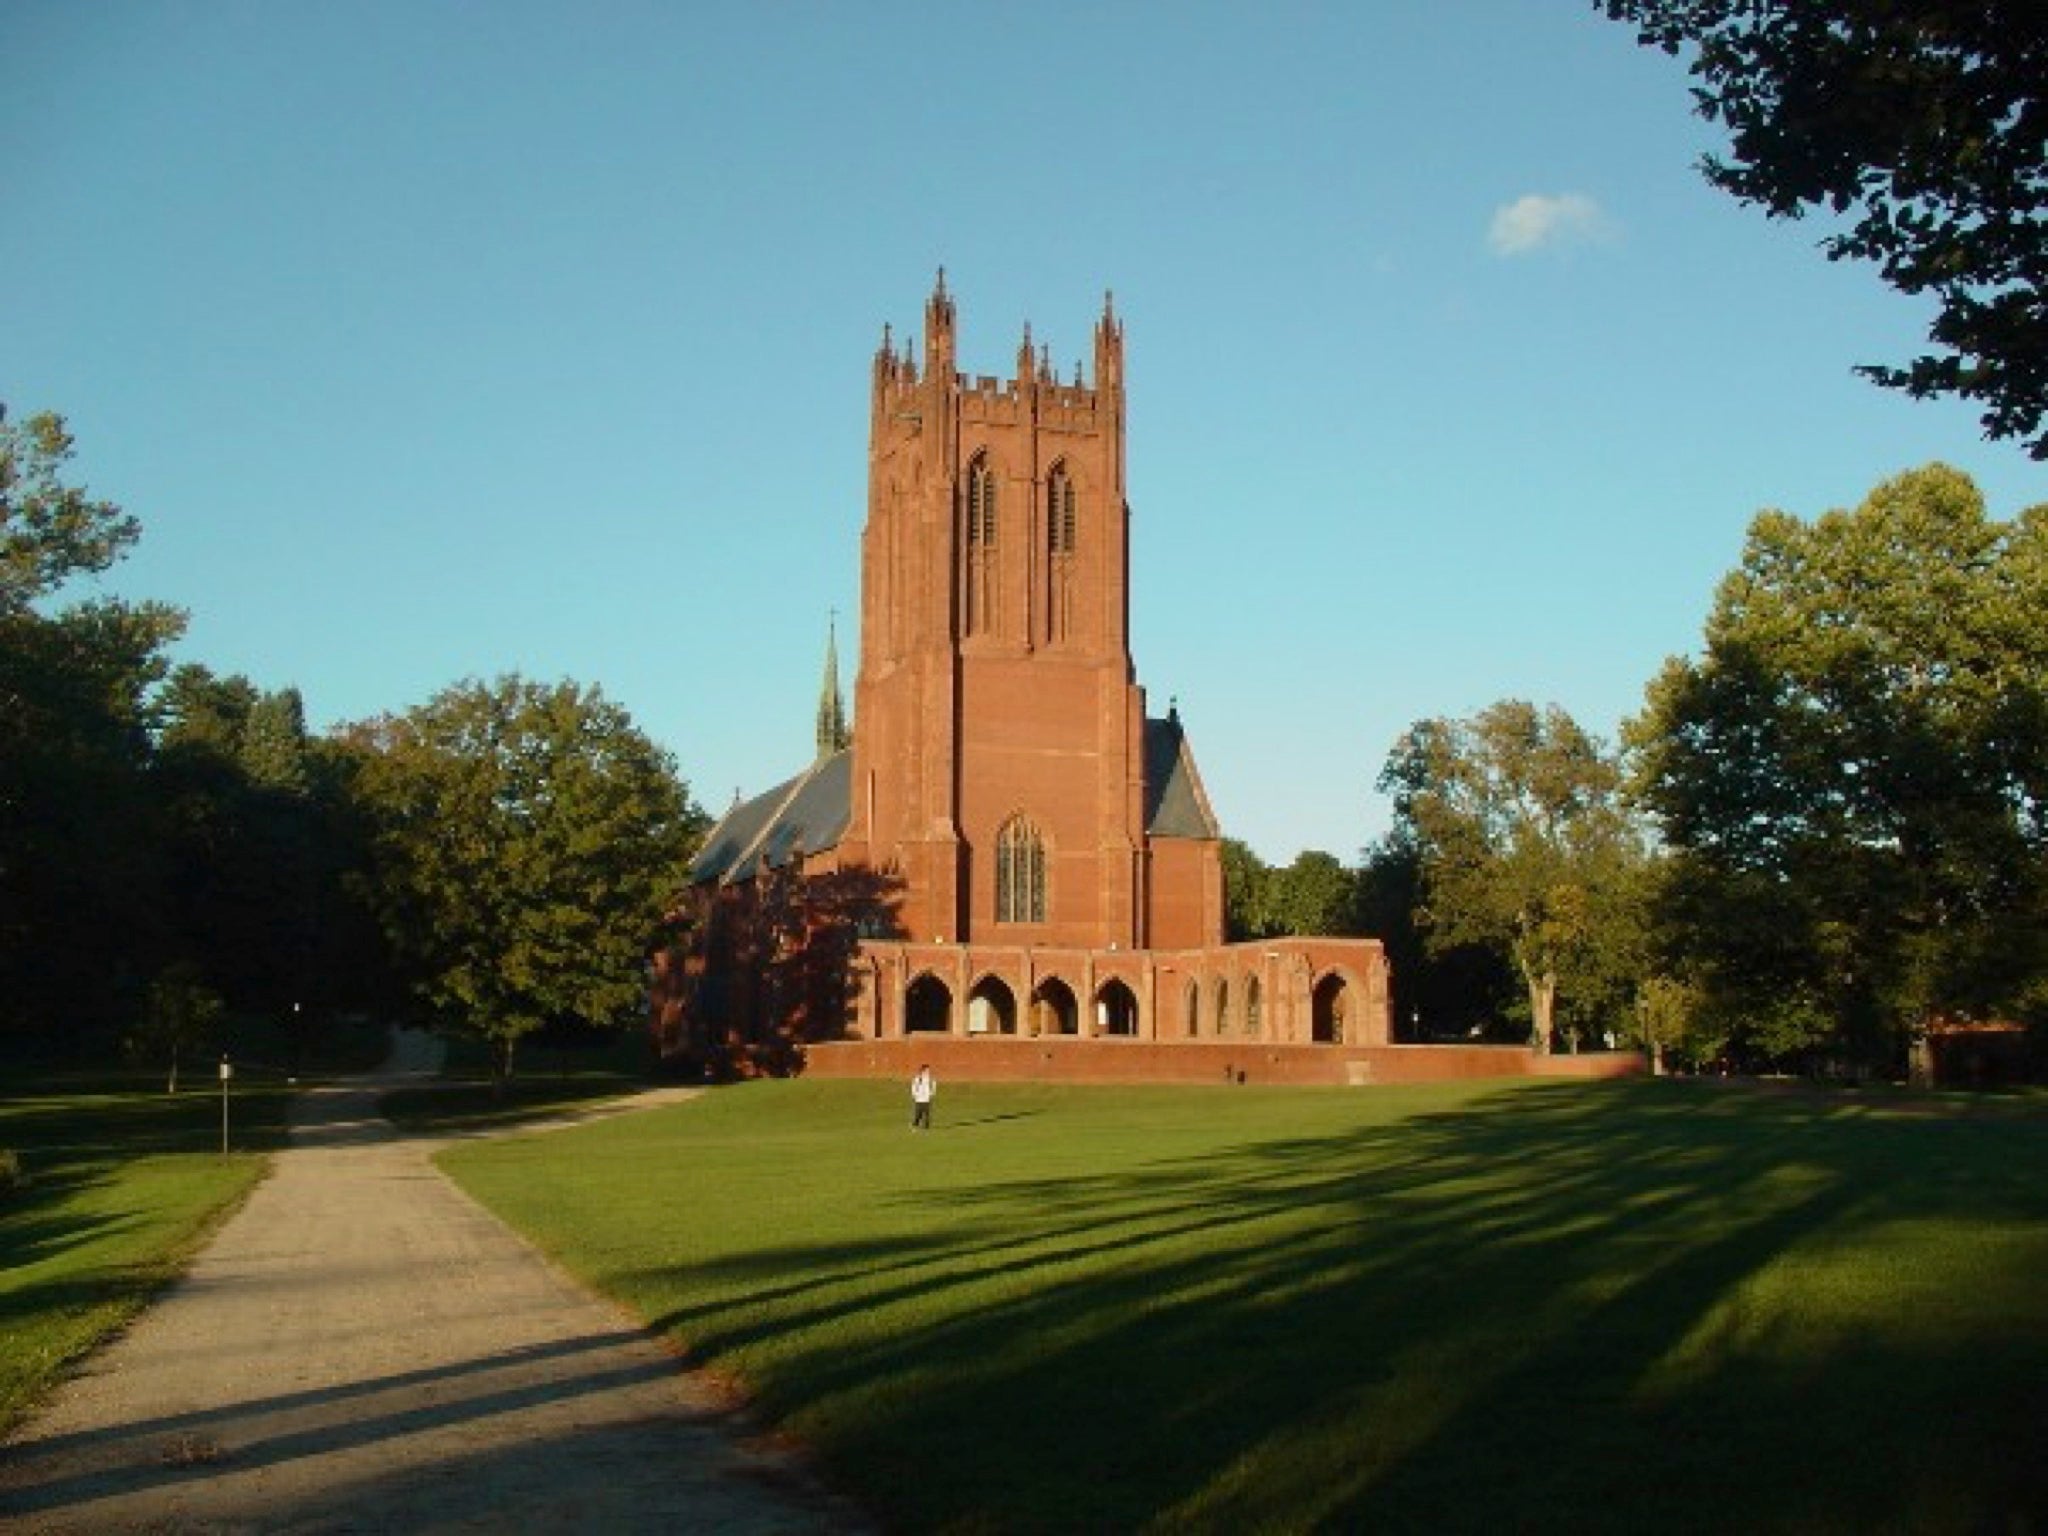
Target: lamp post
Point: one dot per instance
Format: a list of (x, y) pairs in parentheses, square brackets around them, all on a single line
[(227, 1071)]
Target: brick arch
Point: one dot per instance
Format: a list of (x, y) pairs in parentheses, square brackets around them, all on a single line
[(1115, 1006), (991, 1005), (927, 1005), (1055, 1006), (1337, 1002)]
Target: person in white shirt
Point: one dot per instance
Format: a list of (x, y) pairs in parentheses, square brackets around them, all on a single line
[(923, 1088)]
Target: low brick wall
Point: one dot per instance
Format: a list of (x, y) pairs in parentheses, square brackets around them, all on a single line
[(1203, 1061)]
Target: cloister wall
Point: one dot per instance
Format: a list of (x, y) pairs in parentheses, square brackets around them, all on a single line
[(1048, 1059)]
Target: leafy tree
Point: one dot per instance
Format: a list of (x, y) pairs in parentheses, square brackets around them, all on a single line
[(273, 746), (1926, 121), (259, 848), (1667, 1011), (1522, 841), (76, 853), (1441, 991), (1853, 779), (782, 970), (528, 840), (50, 532), (182, 1015), (1315, 895), (1245, 878)]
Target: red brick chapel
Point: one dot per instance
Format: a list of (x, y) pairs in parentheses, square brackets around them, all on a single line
[(1008, 866)]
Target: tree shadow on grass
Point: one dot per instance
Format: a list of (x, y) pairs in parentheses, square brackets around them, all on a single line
[(44, 1230), (1553, 1308), (422, 1424)]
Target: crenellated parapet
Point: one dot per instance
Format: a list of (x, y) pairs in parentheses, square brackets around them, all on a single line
[(1033, 393)]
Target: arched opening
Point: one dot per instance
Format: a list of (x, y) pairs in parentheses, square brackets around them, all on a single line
[(1331, 1012), (991, 1008), (1116, 1009), (1222, 1019), (1191, 1009), (928, 1007), (1053, 1009), (1251, 1007)]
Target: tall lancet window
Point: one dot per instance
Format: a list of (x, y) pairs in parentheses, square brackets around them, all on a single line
[(1059, 548), (981, 546), (1020, 873)]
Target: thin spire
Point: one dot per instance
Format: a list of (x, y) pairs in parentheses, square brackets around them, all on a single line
[(832, 733)]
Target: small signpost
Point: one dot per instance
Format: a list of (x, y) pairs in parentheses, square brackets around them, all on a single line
[(227, 1071)]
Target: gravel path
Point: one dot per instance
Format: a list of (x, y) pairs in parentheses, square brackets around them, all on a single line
[(364, 1349)]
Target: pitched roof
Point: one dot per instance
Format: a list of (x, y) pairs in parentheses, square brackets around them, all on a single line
[(803, 815), (809, 813), (1176, 805)]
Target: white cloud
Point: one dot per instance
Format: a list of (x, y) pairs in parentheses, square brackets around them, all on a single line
[(1538, 222)]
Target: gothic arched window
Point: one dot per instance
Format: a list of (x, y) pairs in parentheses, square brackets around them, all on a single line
[(981, 504), (1059, 511), (1020, 873), (1059, 547), (981, 545)]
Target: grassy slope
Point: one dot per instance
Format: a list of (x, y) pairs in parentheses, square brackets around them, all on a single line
[(1545, 1306), (126, 1184)]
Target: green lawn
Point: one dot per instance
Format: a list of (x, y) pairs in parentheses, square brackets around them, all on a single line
[(125, 1184), (1557, 1307)]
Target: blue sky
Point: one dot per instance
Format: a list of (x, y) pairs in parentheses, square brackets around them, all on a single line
[(437, 340)]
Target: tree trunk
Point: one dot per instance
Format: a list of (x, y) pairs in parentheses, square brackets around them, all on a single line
[(1919, 1058), (173, 1085), (1542, 1012)]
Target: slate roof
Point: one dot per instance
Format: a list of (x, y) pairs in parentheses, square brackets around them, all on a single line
[(803, 815), (809, 813), (1176, 805)]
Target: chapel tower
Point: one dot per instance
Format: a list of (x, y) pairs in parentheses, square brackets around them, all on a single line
[(999, 757)]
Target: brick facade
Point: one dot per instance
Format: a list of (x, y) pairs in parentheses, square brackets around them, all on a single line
[(995, 682), (1012, 857)]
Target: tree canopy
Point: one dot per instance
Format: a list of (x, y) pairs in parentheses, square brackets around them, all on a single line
[(527, 841), (1853, 779), (1925, 124), (1314, 895), (1523, 843), (75, 684), (50, 531)]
